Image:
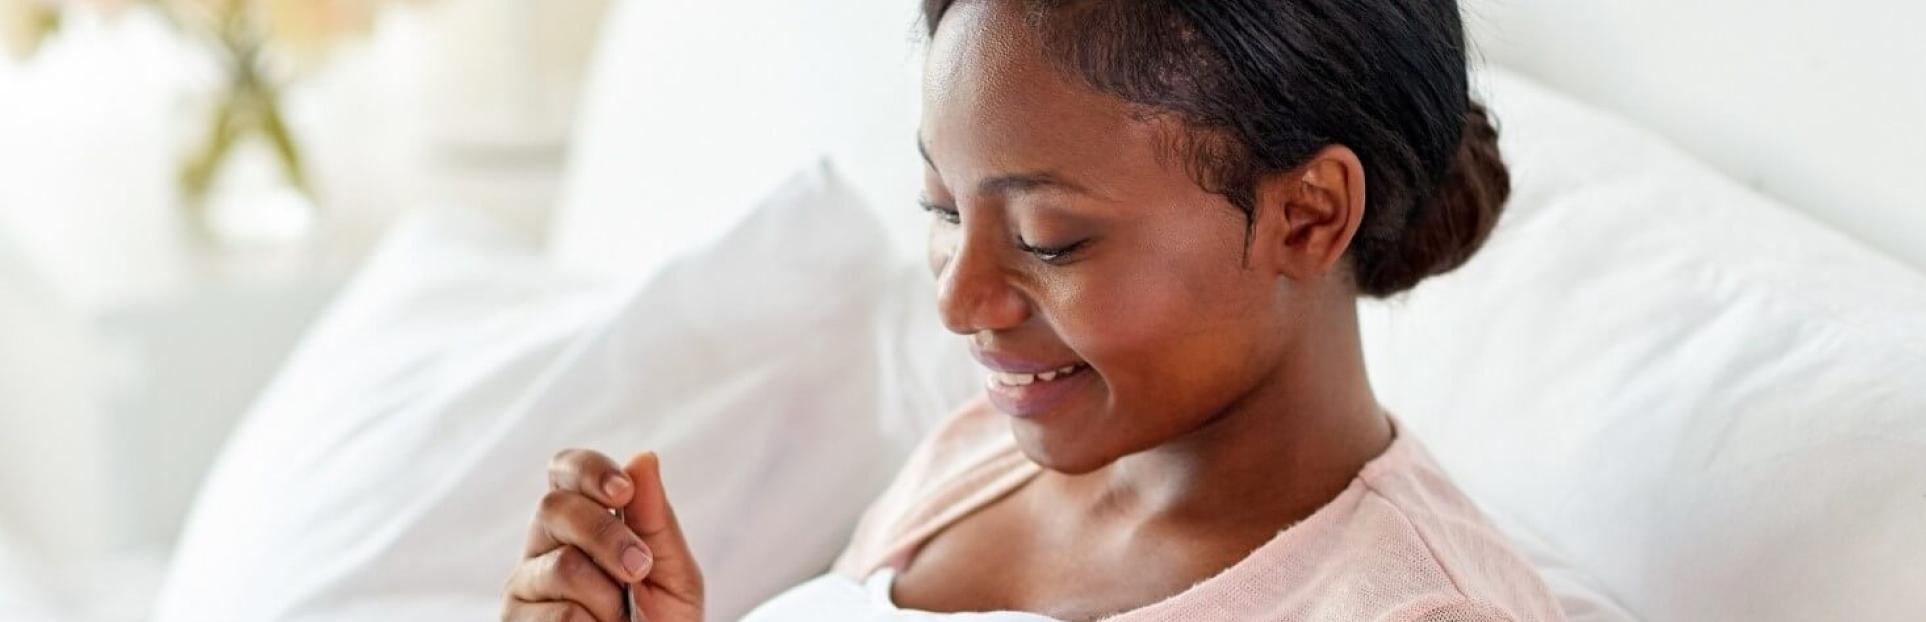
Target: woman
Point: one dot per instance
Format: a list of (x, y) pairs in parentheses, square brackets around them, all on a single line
[(1152, 221)]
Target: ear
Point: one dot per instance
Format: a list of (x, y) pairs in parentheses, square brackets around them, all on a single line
[(1307, 216)]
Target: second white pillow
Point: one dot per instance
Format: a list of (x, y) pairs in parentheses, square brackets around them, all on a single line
[(391, 471)]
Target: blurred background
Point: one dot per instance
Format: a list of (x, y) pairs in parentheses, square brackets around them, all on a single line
[(184, 184)]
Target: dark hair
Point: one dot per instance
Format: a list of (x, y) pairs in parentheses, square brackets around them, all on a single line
[(1264, 84)]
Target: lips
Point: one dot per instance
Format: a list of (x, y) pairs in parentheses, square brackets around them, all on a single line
[(1028, 388)]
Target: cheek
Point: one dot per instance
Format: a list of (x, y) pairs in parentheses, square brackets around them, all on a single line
[(1172, 347), (1176, 330)]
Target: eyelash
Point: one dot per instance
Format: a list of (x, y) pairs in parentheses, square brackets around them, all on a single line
[(1050, 255), (945, 214), (1046, 255)]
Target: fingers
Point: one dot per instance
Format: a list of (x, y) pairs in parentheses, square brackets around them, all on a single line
[(566, 576), (551, 611), (650, 516), (592, 474), (568, 519)]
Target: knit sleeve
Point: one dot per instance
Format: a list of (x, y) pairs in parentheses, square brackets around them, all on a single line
[(1457, 609), (1467, 610)]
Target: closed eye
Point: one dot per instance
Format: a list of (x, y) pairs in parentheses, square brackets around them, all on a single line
[(1052, 255), (946, 214)]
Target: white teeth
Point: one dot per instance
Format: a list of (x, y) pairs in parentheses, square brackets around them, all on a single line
[(1018, 380)]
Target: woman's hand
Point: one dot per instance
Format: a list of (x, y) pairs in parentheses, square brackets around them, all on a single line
[(580, 554)]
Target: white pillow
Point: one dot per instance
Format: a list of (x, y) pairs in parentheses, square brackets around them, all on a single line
[(391, 471), (688, 109), (1712, 405)]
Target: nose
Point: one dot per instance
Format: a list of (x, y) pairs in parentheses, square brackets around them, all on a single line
[(973, 293)]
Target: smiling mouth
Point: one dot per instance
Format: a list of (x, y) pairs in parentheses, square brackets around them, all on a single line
[(1006, 379)]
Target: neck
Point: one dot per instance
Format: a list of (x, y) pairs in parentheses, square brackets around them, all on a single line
[(1276, 454)]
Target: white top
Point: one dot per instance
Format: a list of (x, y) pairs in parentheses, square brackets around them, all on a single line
[(836, 598)]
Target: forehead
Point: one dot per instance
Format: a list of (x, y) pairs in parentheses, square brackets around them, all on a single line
[(993, 103)]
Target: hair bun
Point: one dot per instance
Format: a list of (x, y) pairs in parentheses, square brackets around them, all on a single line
[(1443, 233)]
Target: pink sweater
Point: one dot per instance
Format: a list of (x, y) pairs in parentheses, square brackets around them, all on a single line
[(1401, 543)]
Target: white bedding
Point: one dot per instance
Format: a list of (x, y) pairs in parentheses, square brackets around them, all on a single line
[(35, 587), (836, 598), (1709, 403), (391, 471)]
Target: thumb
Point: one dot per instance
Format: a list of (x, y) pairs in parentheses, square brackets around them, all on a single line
[(673, 574)]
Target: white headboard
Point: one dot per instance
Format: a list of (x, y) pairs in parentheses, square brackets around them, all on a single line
[(1819, 104)]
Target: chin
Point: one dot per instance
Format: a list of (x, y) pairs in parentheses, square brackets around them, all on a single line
[(1060, 455)]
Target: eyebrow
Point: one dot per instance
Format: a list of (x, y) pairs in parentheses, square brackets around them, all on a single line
[(1014, 183)]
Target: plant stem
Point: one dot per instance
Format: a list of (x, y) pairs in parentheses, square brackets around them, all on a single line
[(252, 103), (271, 123)]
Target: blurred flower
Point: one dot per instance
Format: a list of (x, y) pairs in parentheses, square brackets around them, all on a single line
[(307, 28), (110, 6), (24, 24), (253, 38), (304, 29), (223, 20)]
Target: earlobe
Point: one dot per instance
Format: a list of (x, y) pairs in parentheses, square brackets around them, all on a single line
[(1315, 210)]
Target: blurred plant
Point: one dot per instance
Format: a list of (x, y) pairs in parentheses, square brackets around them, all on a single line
[(24, 24), (261, 44)]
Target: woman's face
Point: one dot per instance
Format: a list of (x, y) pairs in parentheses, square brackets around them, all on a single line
[(1068, 237)]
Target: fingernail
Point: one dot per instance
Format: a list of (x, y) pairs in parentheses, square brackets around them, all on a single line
[(635, 561), (616, 486)]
